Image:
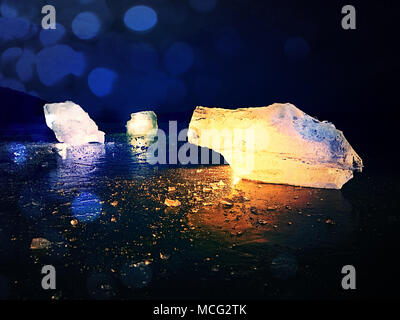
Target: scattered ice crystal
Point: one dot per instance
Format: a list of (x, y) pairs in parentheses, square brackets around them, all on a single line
[(71, 124)]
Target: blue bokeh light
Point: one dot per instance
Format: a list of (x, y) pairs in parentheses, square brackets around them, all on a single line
[(54, 63), (50, 37), (10, 55), (101, 81), (296, 48), (203, 5), (86, 25), (34, 93), (12, 84), (14, 28), (7, 10), (86, 207), (140, 18), (179, 58), (25, 64)]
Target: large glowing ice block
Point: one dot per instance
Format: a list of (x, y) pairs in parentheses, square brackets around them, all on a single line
[(71, 124), (276, 144), (142, 123)]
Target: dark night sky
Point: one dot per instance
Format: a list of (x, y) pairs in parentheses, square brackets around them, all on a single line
[(226, 53)]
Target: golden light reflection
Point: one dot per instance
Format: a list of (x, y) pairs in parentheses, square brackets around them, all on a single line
[(140, 144), (235, 180), (251, 212)]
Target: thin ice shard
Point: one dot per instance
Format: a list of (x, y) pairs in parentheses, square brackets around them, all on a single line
[(71, 124), (277, 144)]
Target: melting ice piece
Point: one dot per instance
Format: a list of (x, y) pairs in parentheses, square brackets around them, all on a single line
[(276, 144), (142, 123), (71, 124)]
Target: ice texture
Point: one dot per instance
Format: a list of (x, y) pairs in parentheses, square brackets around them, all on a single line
[(281, 145), (71, 124), (142, 123)]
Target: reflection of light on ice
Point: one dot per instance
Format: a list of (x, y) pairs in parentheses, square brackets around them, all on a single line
[(76, 164), (18, 153), (31, 200), (62, 150), (141, 131), (258, 212), (86, 207), (140, 146), (75, 169), (235, 180), (87, 153)]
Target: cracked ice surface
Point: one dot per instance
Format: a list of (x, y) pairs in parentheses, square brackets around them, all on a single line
[(71, 124), (277, 144)]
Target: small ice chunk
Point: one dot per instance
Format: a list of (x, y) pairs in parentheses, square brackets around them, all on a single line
[(172, 203), (71, 124), (142, 123)]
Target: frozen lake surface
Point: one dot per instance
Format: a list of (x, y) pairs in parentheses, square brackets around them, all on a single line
[(102, 208)]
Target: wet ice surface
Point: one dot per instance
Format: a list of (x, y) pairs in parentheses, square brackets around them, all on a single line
[(112, 236)]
